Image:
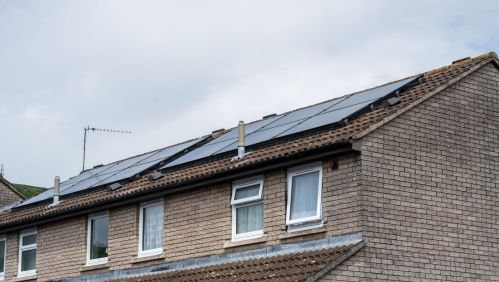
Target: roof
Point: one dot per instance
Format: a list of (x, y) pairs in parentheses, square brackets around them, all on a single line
[(291, 267), (304, 261), (11, 187), (292, 147)]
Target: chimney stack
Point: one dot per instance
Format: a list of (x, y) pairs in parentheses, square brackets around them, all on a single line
[(57, 189), (240, 140)]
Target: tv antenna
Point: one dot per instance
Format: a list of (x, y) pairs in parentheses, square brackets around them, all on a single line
[(93, 129)]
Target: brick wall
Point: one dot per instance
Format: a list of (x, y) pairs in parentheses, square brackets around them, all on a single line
[(7, 196), (197, 223), (431, 191)]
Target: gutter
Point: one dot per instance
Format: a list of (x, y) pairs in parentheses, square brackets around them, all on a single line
[(308, 156)]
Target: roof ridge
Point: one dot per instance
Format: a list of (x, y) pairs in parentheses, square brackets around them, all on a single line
[(481, 57)]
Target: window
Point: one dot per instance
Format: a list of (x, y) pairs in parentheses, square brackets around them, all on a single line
[(97, 236), (2, 257), (151, 228), (304, 207), (247, 209), (27, 253)]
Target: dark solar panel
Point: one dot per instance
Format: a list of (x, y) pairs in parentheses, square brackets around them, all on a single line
[(330, 112), (114, 172)]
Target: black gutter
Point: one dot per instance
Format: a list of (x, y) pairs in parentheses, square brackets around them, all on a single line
[(308, 156)]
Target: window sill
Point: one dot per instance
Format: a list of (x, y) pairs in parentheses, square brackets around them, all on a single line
[(230, 244), (148, 258), (26, 278), (302, 233), (94, 267)]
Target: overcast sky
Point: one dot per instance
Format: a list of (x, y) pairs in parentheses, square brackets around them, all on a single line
[(173, 70)]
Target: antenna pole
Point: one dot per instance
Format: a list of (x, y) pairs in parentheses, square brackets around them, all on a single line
[(88, 128), (84, 144)]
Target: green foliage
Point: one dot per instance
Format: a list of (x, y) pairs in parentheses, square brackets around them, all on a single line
[(29, 191)]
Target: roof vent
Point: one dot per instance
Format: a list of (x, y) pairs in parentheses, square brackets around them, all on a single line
[(217, 131), (391, 102), (155, 176), (115, 186), (460, 60), (57, 190), (269, 116), (99, 165), (241, 150)]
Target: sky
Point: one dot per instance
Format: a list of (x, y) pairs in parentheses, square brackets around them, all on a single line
[(173, 70)]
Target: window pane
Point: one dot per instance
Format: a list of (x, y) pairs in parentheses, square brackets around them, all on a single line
[(2, 256), (28, 240), (28, 260), (304, 195), (249, 218), (98, 238), (152, 228), (246, 192)]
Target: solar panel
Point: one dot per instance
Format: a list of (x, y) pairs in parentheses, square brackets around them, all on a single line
[(114, 172), (300, 120)]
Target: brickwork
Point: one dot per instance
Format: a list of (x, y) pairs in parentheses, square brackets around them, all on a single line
[(59, 248), (431, 189), (197, 223), (7, 196)]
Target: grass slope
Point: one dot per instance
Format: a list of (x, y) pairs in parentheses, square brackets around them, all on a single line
[(28, 190)]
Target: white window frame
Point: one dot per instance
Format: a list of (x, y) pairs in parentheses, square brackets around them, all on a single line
[(22, 248), (249, 201), (296, 171), (152, 252), (4, 239), (89, 236)]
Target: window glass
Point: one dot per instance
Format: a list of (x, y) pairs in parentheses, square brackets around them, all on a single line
[(99, 237), (2, 256), (249, 218), (249, 191), (152, 226), (29, 240), (304, 195), (28, 260)]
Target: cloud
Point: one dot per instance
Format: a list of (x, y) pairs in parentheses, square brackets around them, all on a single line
[(170, 71)]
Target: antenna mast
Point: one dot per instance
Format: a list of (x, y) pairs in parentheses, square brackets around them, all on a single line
[(93, 129)]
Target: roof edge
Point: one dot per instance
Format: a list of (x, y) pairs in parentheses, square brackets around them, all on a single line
[(9, 185), (492, 57), (337, 262), (356, 240)]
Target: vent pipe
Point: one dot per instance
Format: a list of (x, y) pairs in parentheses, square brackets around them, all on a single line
[(57, 189), (240, 140)]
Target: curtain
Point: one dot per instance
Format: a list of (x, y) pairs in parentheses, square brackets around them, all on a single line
[(249, 218), (304, 195), (152, 228)]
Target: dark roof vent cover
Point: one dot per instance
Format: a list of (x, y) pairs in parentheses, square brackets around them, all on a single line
[(392, 102), (461, 60), (269, 116), (156, 175), (115, 186)]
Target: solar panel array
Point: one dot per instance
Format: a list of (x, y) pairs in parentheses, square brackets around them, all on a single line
[(114, 172), (329, 112)]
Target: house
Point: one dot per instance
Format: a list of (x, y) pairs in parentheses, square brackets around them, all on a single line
[(395, 183), (8, 193)]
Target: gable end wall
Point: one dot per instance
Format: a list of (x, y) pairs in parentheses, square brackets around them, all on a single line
[(431, 192)]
